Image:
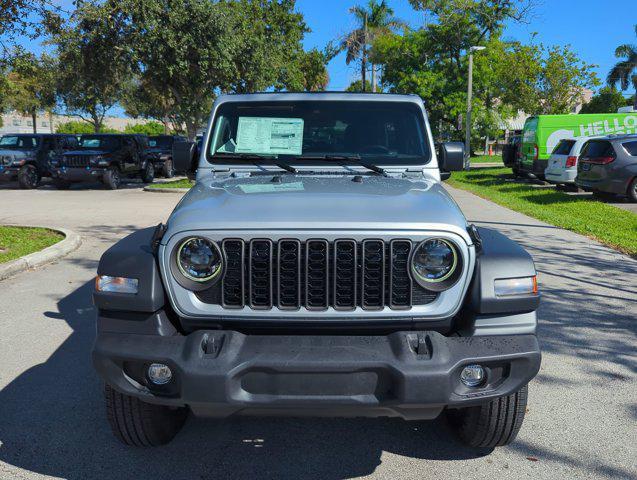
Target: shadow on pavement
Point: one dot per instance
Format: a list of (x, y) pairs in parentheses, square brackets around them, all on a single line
[(52, 421)]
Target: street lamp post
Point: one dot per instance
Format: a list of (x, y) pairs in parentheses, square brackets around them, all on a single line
[(467, 140)]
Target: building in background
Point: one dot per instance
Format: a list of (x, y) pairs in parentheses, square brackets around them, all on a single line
[(13, 122)]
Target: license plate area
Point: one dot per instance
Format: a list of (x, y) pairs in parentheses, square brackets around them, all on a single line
[(315, 385)]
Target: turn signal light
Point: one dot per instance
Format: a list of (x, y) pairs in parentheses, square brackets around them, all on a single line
[(506, 287), (106, 283)]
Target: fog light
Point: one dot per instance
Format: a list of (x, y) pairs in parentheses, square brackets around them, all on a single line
[(159, 374), (472, 375)]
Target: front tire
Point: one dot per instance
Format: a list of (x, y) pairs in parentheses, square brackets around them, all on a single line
[(28, 177), (148, 175), (112, 178), (169, 169), (142, 424), (492, 424)]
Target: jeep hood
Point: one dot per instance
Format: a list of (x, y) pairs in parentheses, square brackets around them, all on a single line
[(317, 202), (17, 154)]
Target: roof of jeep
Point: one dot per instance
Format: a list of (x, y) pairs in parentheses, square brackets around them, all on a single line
[(318, 96)]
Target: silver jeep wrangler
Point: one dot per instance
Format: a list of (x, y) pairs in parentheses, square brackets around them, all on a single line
[(317, 267)]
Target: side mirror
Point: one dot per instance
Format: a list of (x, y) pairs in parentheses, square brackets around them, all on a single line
[(451, 158), (184, 158)]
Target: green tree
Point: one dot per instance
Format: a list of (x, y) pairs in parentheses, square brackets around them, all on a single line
[(189, 51), (142, 99), (313, 70), (607, 100), (373, 21), (432, 62), (357, 86), (624, 72), (148, 128), (94, 61), (545, 80), (31, 84)]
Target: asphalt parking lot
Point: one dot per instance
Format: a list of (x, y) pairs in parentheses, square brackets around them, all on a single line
[(581, 420)]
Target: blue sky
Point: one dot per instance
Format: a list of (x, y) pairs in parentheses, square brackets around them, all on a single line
[(593, 28)]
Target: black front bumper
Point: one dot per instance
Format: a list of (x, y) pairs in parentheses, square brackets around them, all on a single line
[(8, 174), (414, 375), (79, 174)]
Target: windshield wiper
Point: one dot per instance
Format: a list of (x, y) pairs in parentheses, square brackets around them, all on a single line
[(253, 156), (348, 158)]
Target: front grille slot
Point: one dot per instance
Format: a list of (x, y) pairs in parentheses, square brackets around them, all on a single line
[(260, 274), (232, 286), (316, 275), (400, 286), (345, 274), (291, 274), (77, 161), (373, 274)]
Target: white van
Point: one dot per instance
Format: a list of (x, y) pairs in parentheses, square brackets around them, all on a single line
[(562, 164)]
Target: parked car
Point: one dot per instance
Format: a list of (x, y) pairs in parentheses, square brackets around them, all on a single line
[(562, 165), (163, 146), (317, 267), (609, 165), (542, 133), (511, 153), (105, 157), (27, 157)]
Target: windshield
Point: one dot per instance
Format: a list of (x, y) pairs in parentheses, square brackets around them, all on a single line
[(98, 142), (163, 143), (19, 142), (387, 133)]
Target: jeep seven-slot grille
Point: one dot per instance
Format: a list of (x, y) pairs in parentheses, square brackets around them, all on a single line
[(316, 274), (75, 161)]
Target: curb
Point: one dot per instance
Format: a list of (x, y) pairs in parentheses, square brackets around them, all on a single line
[(166, 190), (37, 259)]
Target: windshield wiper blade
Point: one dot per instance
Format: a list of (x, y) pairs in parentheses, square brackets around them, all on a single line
[(255, 156), (349, 158)]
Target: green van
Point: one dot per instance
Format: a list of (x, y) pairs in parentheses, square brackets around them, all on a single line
[(542, 133)]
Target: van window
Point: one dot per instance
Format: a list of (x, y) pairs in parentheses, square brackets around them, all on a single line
[(598, 148), (631, 148), (564, 147)]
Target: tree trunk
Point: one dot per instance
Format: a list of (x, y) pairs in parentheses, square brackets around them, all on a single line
[(373, 78), (191, 130), (364, 57), (34, 118)]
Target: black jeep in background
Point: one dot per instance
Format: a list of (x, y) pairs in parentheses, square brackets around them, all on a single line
[(511, 153), (105, 157), (162, 147), (27, 158)]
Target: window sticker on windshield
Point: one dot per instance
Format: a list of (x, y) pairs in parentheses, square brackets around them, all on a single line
[(274, 136), (272, 187)]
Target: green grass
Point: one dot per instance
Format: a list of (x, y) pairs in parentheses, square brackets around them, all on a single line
[(184, 183), (487, 159), (608, 224), (16, 242)]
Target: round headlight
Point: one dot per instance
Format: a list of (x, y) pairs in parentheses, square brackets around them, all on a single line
[(434, 263), (199, 259)]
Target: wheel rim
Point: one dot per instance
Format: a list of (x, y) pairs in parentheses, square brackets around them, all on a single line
[(32, 176)]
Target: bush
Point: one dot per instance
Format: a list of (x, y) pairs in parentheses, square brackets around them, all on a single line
[(77, 127), (148, 128)]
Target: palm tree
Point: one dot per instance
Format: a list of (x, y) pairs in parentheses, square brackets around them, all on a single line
[(376, 19), (625, 71)]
